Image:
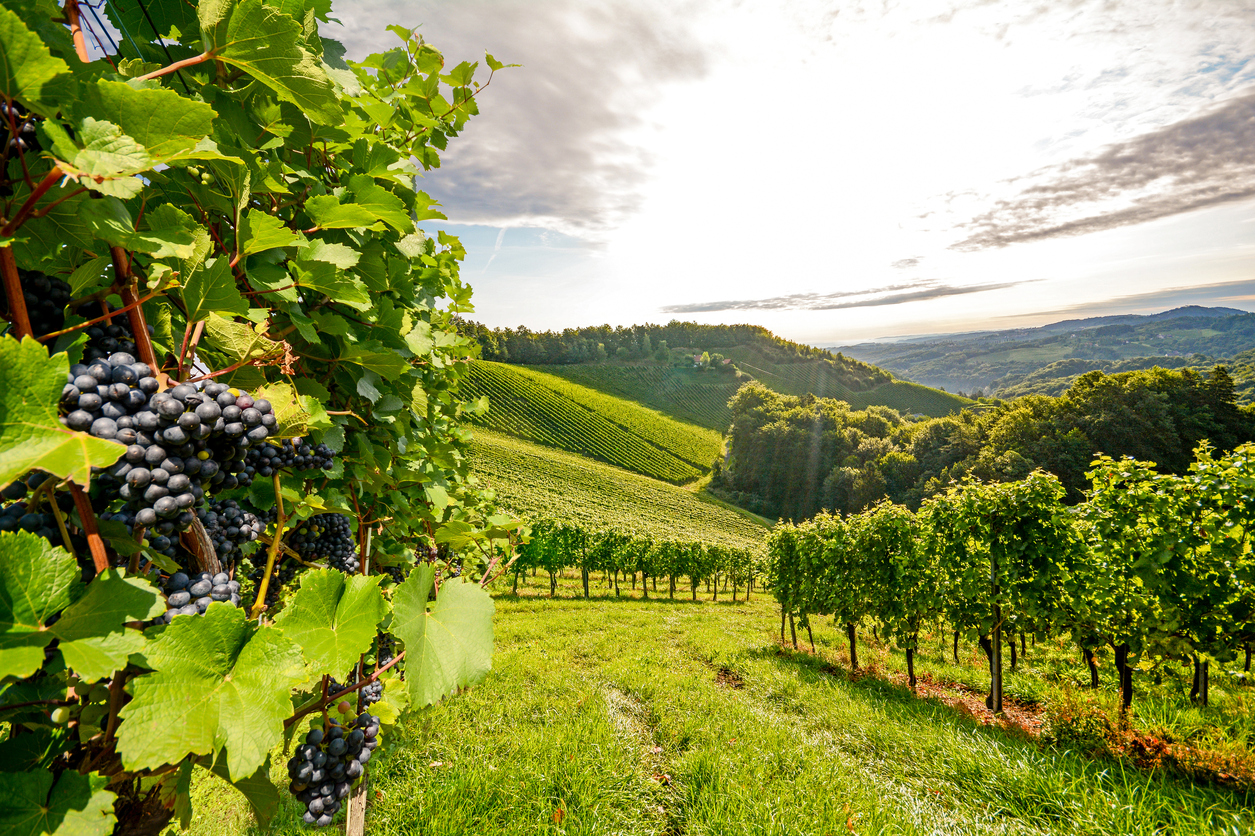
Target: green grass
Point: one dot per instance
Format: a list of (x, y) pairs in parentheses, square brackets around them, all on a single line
[(678, 718), (556, 412), (542, 483), (821, 380), (694, 395)]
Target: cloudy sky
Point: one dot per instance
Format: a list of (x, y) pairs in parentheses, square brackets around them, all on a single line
[(846, 171)]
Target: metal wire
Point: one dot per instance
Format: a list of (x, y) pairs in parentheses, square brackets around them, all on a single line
[(162, 41)]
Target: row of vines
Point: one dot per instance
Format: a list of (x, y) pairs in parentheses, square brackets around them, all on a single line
[(236, 497), (554, 547), (1154, 568)]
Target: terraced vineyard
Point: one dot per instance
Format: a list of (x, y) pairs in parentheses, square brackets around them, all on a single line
[(689, 394), (558, 413), (541, 483)]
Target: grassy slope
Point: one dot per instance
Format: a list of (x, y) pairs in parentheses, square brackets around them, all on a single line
[(611, 717), (539, 482), (550, 410)]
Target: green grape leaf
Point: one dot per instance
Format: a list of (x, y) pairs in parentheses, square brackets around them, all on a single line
[(395, 701), (94, 638), (220, 684), (381, 203), (164, 123), (326, 279), (293, 420), (447, 647), (239, 341), (92, 273), (110, 220), (266, 44), (29, 72), (39, 581), (337, 254), (328, 212), (212, 289), (257, 789), (76, 805), (31, 436), (333, 619), (101, 157), (259, 231), (376, 358)]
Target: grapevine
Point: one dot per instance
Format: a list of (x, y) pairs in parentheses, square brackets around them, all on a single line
[(217, 383)]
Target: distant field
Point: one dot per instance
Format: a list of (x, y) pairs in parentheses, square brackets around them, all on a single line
[(538, 482), (685, 393), (557, 412)]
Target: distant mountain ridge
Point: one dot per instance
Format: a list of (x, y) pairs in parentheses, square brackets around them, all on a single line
[(1044, 359)]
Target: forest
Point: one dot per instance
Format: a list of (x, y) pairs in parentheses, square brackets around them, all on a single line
[(792, 457)]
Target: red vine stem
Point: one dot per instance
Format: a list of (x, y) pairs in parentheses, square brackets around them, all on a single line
[(13, 293), (89, 323), (178, 65), (76, 31), (50, 180), (318, 702), (134, 313), (88, 518)]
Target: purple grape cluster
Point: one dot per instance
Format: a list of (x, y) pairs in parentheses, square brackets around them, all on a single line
[(229, 526), (329, 538), (288, 454), (192, 595), (108, 337), (45, 297), (179, 443), (324, 767)]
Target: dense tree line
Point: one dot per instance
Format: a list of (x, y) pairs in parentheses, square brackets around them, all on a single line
[(793, 457), (645, 342)]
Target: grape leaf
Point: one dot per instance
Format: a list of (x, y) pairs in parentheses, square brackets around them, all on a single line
[(164, 123), (325, 278), (77, 805), (293, 420), (220, 684), (31, 436), (328, 212), (266, 44), (212, 289), (381, 203), (100, 157), (333, 619), (376, 358), (448, 647), (111, 221), (239, 341), (337, 254), (28, 70), (259, 231), (95, 641), (39, 581)]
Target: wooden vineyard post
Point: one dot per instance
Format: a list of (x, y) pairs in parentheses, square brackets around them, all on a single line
[(355, 820), (995, 663)]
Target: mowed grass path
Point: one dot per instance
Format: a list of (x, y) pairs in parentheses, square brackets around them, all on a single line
[(618, 716)]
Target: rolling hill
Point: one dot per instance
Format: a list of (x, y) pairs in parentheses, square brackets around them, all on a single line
[(551, 410), (540, 482), (1002, 361)]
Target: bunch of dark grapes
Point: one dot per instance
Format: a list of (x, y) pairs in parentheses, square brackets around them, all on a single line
[(106, 338), (385, 647), (20, 127), (161, 543), (45, 297), (180, 442), (229, 526), (396, 573), (193, 595), (325, 766), (372, 692), (21, 515), (329, 538), (288, 454)]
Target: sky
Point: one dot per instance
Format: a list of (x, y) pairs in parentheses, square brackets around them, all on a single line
[(839, 172)]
